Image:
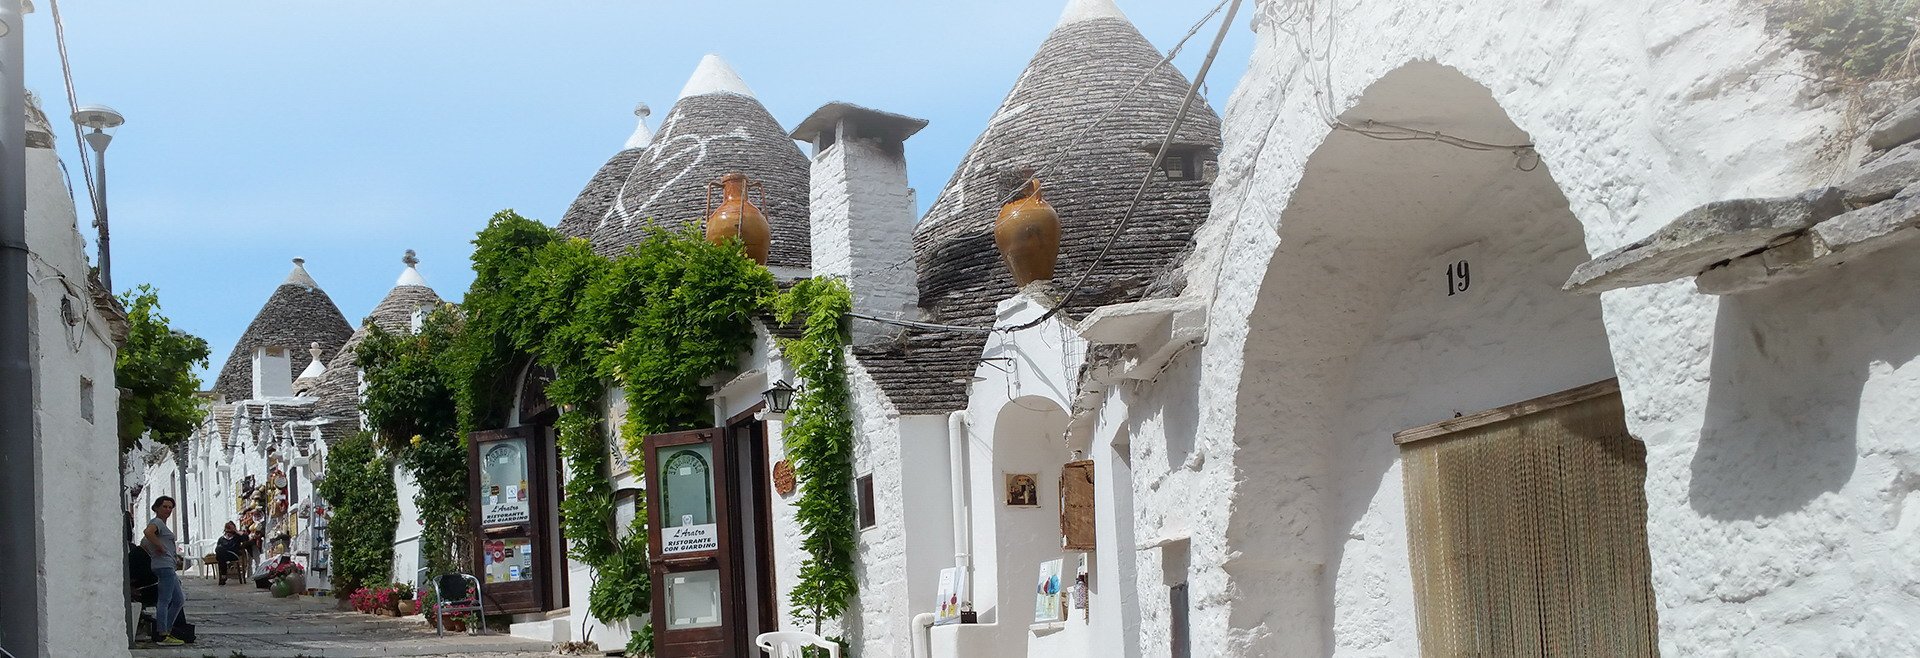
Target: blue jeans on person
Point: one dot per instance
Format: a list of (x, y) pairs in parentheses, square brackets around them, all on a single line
[(171, 600)]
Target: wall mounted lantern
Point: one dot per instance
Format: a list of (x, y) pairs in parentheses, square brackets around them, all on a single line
[(780, 397)]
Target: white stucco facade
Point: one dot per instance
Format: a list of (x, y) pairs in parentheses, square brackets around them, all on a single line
[(1256, 465), (75, 424), (1772, 478)]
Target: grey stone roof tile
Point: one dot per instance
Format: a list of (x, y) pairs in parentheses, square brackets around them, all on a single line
[(298, 314), (701, 139), (1083, 68)]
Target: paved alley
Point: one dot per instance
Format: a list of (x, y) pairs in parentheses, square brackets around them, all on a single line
[(241, 620)]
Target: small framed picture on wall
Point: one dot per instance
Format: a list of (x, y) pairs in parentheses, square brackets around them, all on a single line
[(1023, 490)]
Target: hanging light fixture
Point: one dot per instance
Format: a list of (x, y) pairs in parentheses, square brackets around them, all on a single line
[(780, 397)]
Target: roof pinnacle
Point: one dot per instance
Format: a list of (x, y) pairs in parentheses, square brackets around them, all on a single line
[(410, 276), (714, 76), (1086, 10), (299, 276), (642, 136)]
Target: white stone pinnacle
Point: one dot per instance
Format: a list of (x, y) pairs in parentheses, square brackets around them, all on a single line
[(1086, 10), (411, 275), (641, 135), (299, 276), (314, 368), (714, 76)]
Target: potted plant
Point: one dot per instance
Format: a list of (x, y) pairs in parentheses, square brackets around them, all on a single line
[(404, 599), (284, 576), (455, 622)]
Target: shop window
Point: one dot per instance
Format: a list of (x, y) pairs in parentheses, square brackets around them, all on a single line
[(1527, 529), (864, 492), (687, 487)]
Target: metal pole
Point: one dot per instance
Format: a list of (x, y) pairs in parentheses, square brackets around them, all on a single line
[(99, 145), (20, 586)]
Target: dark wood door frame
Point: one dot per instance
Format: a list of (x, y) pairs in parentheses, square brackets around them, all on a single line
[(534, 594), (747, 441), (715, 642)]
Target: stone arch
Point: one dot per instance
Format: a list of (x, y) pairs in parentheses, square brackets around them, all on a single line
[(1412, 281), (1029, 438)]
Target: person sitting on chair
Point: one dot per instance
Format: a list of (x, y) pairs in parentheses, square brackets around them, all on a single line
[(228, 550)]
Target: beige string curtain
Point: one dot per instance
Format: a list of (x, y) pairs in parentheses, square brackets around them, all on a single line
[(1527, 529)]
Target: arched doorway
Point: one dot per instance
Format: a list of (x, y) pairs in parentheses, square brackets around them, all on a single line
[(1023, 484), (1414, 281)]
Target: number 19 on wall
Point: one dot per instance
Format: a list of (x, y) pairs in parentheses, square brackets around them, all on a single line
[(1457, 278)]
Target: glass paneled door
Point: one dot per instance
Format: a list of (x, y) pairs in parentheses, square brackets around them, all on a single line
[(508, 510), (688, 508)]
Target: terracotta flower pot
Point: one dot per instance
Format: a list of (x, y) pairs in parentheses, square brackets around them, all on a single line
[(408, 608), (737, 216), (1028, 236)]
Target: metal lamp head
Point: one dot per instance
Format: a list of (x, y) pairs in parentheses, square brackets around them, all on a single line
[(101, 122), (780, 397)]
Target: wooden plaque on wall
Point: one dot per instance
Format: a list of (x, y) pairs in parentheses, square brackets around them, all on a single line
[(1076, 506)]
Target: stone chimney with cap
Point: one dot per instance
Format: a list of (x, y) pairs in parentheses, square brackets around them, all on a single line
[(861, 210)]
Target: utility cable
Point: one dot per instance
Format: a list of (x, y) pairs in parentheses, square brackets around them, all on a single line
[(1159, 155), (1193, 90), (1059, 154), (73, 104)]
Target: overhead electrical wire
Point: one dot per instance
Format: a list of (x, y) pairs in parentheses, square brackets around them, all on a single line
[(1159, 155), (73, 104), (1060, 153)]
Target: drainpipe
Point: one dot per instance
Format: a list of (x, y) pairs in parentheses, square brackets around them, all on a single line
[(923, 634), (962, 521), (19, 530)]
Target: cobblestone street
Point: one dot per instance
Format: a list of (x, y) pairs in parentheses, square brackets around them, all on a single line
[(241, 620)]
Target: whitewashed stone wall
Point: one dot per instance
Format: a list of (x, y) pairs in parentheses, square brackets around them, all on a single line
[(1777, 469), (75, 408), (862, 222)]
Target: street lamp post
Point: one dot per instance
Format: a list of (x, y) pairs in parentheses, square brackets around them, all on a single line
[(100, 122)]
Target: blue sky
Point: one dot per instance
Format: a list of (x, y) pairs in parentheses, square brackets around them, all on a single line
[(347, 132)]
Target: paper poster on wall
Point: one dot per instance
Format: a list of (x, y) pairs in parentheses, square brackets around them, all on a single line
[(690, 538), (952, 590), (1048, 604)]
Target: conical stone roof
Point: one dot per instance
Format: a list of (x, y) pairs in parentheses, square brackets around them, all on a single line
[(1086, 66), (339, 389), (298, 314), (716, 127)]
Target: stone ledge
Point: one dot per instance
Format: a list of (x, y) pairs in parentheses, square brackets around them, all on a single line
[(1825, 245), (1705, 236), (1900, 126), (1883, 177)]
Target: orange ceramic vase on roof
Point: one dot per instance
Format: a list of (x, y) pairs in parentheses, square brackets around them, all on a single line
[(737, 216), (1028, 236)]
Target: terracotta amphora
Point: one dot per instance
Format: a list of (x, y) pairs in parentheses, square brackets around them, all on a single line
[(1028, 236), (736, 216)]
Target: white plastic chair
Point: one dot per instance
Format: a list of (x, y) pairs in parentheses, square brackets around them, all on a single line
[(790, 644)]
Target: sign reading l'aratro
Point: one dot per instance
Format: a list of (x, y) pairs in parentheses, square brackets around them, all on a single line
[(690, 538)]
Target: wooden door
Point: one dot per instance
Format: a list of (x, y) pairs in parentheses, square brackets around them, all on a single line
[(695, 614), (506, 476)]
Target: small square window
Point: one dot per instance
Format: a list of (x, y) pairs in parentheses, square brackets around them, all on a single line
[(1178, 166), (864, 492)]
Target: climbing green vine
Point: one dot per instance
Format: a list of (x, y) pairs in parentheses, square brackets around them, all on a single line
[(359, 489), (819, 442), (409, 405), (655, 321)]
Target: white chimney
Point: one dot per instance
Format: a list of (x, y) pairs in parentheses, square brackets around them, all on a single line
[(272, 372), (861, 210)]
